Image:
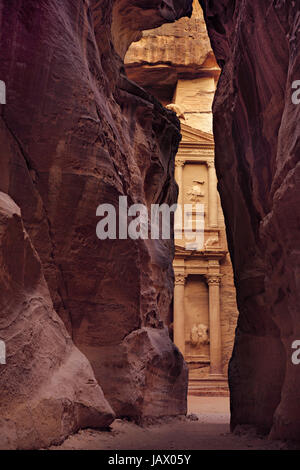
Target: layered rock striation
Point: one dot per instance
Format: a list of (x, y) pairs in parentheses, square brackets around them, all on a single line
[(76, 133), (256, 43)]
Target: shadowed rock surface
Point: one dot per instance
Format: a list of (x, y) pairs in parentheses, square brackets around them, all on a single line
[(257, 159), (76, 133), (47, 388)]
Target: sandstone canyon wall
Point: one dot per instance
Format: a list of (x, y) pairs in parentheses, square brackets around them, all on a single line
[(48, 389), (75, 133), (256, 128)]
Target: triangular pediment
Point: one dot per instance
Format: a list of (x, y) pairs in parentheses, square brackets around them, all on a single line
[(190, 134), (180, 249)]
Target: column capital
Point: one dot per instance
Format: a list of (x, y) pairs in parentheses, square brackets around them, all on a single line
[(180, 279), (210, 164), (214, 279), (179, 162)]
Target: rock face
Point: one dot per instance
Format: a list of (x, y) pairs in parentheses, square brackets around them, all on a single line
[(76, 133), (176, 64), (257, 158), (130, 18), (47, 388)]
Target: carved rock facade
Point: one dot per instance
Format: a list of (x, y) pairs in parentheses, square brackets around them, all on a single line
[(176, 64)]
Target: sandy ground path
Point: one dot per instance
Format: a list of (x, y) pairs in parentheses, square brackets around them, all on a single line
[(209, 432)]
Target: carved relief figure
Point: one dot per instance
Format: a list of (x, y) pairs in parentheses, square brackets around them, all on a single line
[(211, 242), (199, 335), (195, 193)]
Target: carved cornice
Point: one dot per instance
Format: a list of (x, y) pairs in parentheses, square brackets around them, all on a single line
[(193, 149), (211, 254), (180, 279)]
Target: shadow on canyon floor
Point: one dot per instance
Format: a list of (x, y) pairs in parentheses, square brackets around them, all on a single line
[(206, 428)]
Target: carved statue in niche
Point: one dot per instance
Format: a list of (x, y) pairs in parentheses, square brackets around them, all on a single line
[(211, 242), (199, 335), (195, 193)]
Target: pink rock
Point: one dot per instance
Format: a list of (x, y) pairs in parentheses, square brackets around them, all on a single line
[(256, 129), (76, 133), (47, 387)]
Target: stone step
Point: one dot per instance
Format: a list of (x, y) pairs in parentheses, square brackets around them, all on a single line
[(208, 387)]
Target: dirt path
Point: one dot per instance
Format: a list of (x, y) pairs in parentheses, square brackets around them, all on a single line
[(209, 432)]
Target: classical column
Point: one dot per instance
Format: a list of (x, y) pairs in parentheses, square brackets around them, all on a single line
[(215, 324), (212, 195), (178, 321), (179, 164)]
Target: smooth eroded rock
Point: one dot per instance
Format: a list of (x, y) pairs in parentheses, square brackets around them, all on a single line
[(76, 133), (47, 386), (256, 129)]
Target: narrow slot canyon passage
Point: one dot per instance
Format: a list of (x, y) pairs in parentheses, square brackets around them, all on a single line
[(175, 63), (114, 336)]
